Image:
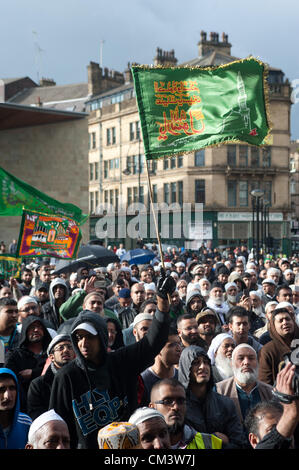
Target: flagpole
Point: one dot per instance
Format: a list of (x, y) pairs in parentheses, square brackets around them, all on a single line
[(154, 214)]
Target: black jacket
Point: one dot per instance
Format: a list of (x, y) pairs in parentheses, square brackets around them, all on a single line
[(22, 358), (90, 397), (38, 396)]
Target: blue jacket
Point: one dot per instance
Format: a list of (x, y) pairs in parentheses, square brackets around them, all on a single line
[(17, 436)]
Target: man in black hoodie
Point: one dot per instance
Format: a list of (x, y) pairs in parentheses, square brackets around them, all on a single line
[(99, 387), (27, 361)]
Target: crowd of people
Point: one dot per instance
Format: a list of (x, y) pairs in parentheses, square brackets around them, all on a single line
[(191, 351)]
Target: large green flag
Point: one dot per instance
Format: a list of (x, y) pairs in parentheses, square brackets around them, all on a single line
[(183, 109), (16, 195)]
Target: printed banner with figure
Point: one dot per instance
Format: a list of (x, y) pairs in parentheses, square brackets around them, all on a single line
[(183, 109), (48, 235), (10, 266)]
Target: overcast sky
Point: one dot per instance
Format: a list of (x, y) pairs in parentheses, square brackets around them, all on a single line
[(58, 39)]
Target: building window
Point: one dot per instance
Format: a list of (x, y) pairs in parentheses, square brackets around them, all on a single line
[(106, 197), (265, 186), (180, 193), (134, 130), (243, 194), (137, 127), (142, 163), (180, 161), (111, 164), (243, 155), (199, 158), (155, 193), (135, 164), (129, 163), (129, 196), (200, 191), (105, 168), (91, 173), (96, 200), (165, 164), (108, 136), (255, 157), (166, 193), (232, 193), (231, 155), (173, 192), (92, 143), (135, 194), (111, 136), (96, 171), (91, 202), (111, 197), (173, 162), (116, 199), (132, 133), (116, 163), (266, 157), (141, 197)]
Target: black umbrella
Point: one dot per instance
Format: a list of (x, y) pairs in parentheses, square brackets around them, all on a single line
[(89, 256)]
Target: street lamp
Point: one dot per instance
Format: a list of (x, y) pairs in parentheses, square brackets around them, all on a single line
[(257, 194)]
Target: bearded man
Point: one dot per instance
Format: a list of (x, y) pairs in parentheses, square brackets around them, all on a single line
[(244, 388)]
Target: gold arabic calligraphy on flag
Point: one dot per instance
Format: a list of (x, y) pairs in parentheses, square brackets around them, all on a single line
[(179, 120)]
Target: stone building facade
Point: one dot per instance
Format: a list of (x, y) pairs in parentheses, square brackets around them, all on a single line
[(220, 178)]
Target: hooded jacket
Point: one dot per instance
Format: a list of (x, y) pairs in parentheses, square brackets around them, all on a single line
[(272, 353), (49, 310), (22, 358), (16, 438), (191, 294), (119, 341), (89, 397), (214, 412)]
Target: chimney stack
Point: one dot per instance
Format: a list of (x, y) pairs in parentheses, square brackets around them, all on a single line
[(213, 44)]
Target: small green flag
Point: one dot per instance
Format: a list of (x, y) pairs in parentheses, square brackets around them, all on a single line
[(16, 195), (183, 109), (10, 266)]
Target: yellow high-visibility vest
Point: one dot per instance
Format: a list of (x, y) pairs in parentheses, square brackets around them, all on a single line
[(205, 441)]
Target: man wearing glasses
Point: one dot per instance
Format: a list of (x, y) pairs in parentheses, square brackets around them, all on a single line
[(60, 352), (168, 396)]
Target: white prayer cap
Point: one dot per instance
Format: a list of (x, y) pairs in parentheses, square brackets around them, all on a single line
[(126, 269), (26, 299), (269, 304), (141, 317), (149, 286), (268, 280), (215, 344), (230, 284), (73, 277), (256, 293), (284, 305), (294, 287), (287, 271), (180, 264), (174, 274), (143, 414), (44, 418), (251, 271), (242, 345)]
